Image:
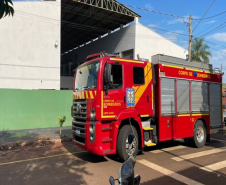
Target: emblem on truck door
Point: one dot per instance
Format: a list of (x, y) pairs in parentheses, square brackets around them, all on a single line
[(130, 97)]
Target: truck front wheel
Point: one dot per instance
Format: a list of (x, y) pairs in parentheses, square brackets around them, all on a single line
[(199, 134), (127, 142)]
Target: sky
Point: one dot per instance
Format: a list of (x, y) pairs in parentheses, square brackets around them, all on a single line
[(216, 39)]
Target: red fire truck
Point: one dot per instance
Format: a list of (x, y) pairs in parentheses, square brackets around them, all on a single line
[(121, 105)]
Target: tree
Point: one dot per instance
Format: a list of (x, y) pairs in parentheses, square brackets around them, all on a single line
[(6, 8), (200, 50)]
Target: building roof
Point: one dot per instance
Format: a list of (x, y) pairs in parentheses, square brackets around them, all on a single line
[(84, 20)]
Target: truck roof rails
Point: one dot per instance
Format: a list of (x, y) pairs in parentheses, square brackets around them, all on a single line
[(99, 55)]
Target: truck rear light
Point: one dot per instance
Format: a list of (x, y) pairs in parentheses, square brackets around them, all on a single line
[(162, 68)]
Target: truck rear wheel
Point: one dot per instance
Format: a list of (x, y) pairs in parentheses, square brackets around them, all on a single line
[(199, 134), (127, 142)]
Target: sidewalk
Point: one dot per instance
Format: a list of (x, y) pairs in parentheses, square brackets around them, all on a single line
[(28, 135)]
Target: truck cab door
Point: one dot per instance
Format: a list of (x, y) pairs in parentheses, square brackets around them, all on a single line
[(114, 94), (142, 85)]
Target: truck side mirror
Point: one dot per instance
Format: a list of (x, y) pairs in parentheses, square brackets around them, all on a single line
[(107, 73)]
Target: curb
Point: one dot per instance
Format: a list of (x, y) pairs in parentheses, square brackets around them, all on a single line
[(38, 142)]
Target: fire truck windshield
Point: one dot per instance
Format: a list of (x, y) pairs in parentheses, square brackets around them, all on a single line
[(86, 76)]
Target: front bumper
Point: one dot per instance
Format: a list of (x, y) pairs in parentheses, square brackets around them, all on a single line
[(104, 137)]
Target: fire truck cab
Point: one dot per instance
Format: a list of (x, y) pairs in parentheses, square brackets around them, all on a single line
[(121, 105)]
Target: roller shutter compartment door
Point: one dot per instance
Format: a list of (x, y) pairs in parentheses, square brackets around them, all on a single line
[(215, 106)]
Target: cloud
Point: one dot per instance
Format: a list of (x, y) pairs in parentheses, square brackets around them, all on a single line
[(174, 21), (210, 22), (152, 25), (181, 20), (149, 6), (218, 37)]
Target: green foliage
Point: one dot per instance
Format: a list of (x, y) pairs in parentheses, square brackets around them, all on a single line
[(6, 8), (60, 121), (200, 50)]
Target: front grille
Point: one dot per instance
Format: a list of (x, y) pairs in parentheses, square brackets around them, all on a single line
[(80, 117)]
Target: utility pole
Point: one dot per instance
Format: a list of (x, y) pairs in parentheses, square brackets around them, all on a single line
[(190, 38)]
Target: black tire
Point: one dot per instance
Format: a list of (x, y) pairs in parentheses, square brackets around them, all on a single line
[(199, 134), (123, 135)]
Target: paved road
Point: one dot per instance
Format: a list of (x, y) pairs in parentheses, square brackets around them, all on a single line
[(169, 163)]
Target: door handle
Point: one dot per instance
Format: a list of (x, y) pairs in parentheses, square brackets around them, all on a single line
[(124, 98), (147, 99)]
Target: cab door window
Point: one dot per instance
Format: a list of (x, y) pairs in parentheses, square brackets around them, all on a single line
[(116, 77), (138, 75)]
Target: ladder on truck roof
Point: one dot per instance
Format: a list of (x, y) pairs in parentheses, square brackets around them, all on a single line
[(169, 60)]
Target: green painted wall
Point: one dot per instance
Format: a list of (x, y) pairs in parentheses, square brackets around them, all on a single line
[(27, 109)]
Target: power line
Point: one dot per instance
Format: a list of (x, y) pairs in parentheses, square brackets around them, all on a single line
[(203, 16), (217, 28), (215, 44), (172, 15), (166, 31), (213, 24), (154, 11), (210, 16)]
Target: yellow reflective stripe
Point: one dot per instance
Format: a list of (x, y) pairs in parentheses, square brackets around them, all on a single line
[(91, 94), (83, 97), (173, 66), (180, 115), (126, 60), (147, 128), (146, 115), (87, 96), (150, 144), (79, 95), (200, 114), (195, 70)]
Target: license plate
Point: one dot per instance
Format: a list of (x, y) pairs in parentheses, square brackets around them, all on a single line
[(77, 131)]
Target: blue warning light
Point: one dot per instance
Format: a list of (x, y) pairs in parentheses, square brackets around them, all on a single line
[(195, 73)]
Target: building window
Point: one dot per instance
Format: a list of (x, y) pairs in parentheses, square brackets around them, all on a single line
[(127, 54), (138, 75)]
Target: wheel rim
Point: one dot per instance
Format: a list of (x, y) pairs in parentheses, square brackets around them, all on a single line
[(200, 134), (131, 148)]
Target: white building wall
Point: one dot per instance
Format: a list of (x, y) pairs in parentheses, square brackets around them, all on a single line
[(29, 58), (149, 43)]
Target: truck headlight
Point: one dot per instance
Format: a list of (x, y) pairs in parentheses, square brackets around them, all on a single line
[(93, 114), (91, 129)]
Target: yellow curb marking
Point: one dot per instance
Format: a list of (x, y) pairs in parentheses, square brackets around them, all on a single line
[(38, 158)]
